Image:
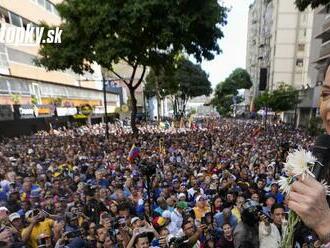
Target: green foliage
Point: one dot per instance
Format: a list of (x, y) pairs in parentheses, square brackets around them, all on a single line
[(192, 80), (57, 101), (264, 100), (141, 33), (315, 126), (16, 98), (34, 100), (282, 99), (304, 4), (166, 83), (226, 90), (240, 78), (184, 80)]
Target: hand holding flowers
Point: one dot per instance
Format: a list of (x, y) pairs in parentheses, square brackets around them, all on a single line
[(306, 196)]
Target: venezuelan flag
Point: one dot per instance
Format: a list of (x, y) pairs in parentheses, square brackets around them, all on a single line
[(133, 153)]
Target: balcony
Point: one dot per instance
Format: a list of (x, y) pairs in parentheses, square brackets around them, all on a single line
[(325, 49), (324, 53), (325, 33)]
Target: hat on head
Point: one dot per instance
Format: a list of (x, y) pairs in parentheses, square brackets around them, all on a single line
[(28, 214), (214, 177), (4, 209), (134, 219), (182, 205), (200, 175), (14, 216), (181, 195), (201, 198), (35, 193)]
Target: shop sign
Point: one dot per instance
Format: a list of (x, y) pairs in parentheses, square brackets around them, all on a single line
[(43, 111), (98, 110), (26, 111), (66, 111)]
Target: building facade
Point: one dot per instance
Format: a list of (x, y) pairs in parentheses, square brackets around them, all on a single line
[(282, 48), (278, 48), (23, 82)]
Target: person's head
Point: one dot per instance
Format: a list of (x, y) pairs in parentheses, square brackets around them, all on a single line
[(255, 197), (218, 202), (270, 201), (6, 236), (108, 242), (230, 197), (124, 210), (274, 188), (142, 241), (188, 227), (240, 201), (227, 230), (278, 214), (201, 201), (162, 203), (15, 220), (325, 99), (136, 222), (92, 229), (261, 183), (101, 233)]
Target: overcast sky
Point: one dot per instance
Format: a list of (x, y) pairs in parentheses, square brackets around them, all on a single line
[(233, 45)]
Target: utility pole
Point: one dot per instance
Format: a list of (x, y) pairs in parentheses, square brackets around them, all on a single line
[(105, 108)]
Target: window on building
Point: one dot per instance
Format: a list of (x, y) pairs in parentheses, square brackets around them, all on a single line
[(15, 19), (25, 23), (300, 62), (4, 16), (301, 47), (41, 2), (48, 6)]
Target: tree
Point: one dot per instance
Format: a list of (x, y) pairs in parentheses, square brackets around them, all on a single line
[(160, 83), (282, 99), (303, 4), (183, 82), (141, 33), (226, 92), (192, 82), (240, 79)]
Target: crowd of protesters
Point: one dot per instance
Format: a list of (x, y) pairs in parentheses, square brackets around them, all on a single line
[(212, 185)]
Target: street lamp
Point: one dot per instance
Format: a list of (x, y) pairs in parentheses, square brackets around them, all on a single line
[(105, 107)]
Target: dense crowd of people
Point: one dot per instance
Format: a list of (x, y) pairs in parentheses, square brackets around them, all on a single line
[(213, 185)]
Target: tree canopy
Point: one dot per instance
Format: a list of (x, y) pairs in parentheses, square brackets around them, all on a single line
[(183, 81), (141, 33), (282, 99), (226, 92), (304, 4)]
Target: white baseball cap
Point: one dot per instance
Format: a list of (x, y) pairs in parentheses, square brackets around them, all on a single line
[(14, 216)]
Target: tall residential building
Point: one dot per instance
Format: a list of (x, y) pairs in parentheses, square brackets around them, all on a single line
[(19, 76), (323, 39), (278, 48)]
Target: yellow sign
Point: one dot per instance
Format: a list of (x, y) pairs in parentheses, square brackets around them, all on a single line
[(124, 108), (44, 111)]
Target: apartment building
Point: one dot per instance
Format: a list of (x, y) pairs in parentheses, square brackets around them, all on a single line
[(278, 48), (23, 82)]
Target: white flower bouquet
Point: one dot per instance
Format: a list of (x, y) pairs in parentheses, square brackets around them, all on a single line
[(299, 163)]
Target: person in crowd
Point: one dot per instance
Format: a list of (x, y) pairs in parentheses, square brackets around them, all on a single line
[(227, 239), (270, 234), (72, 187), (246, 233), (225, 216)]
